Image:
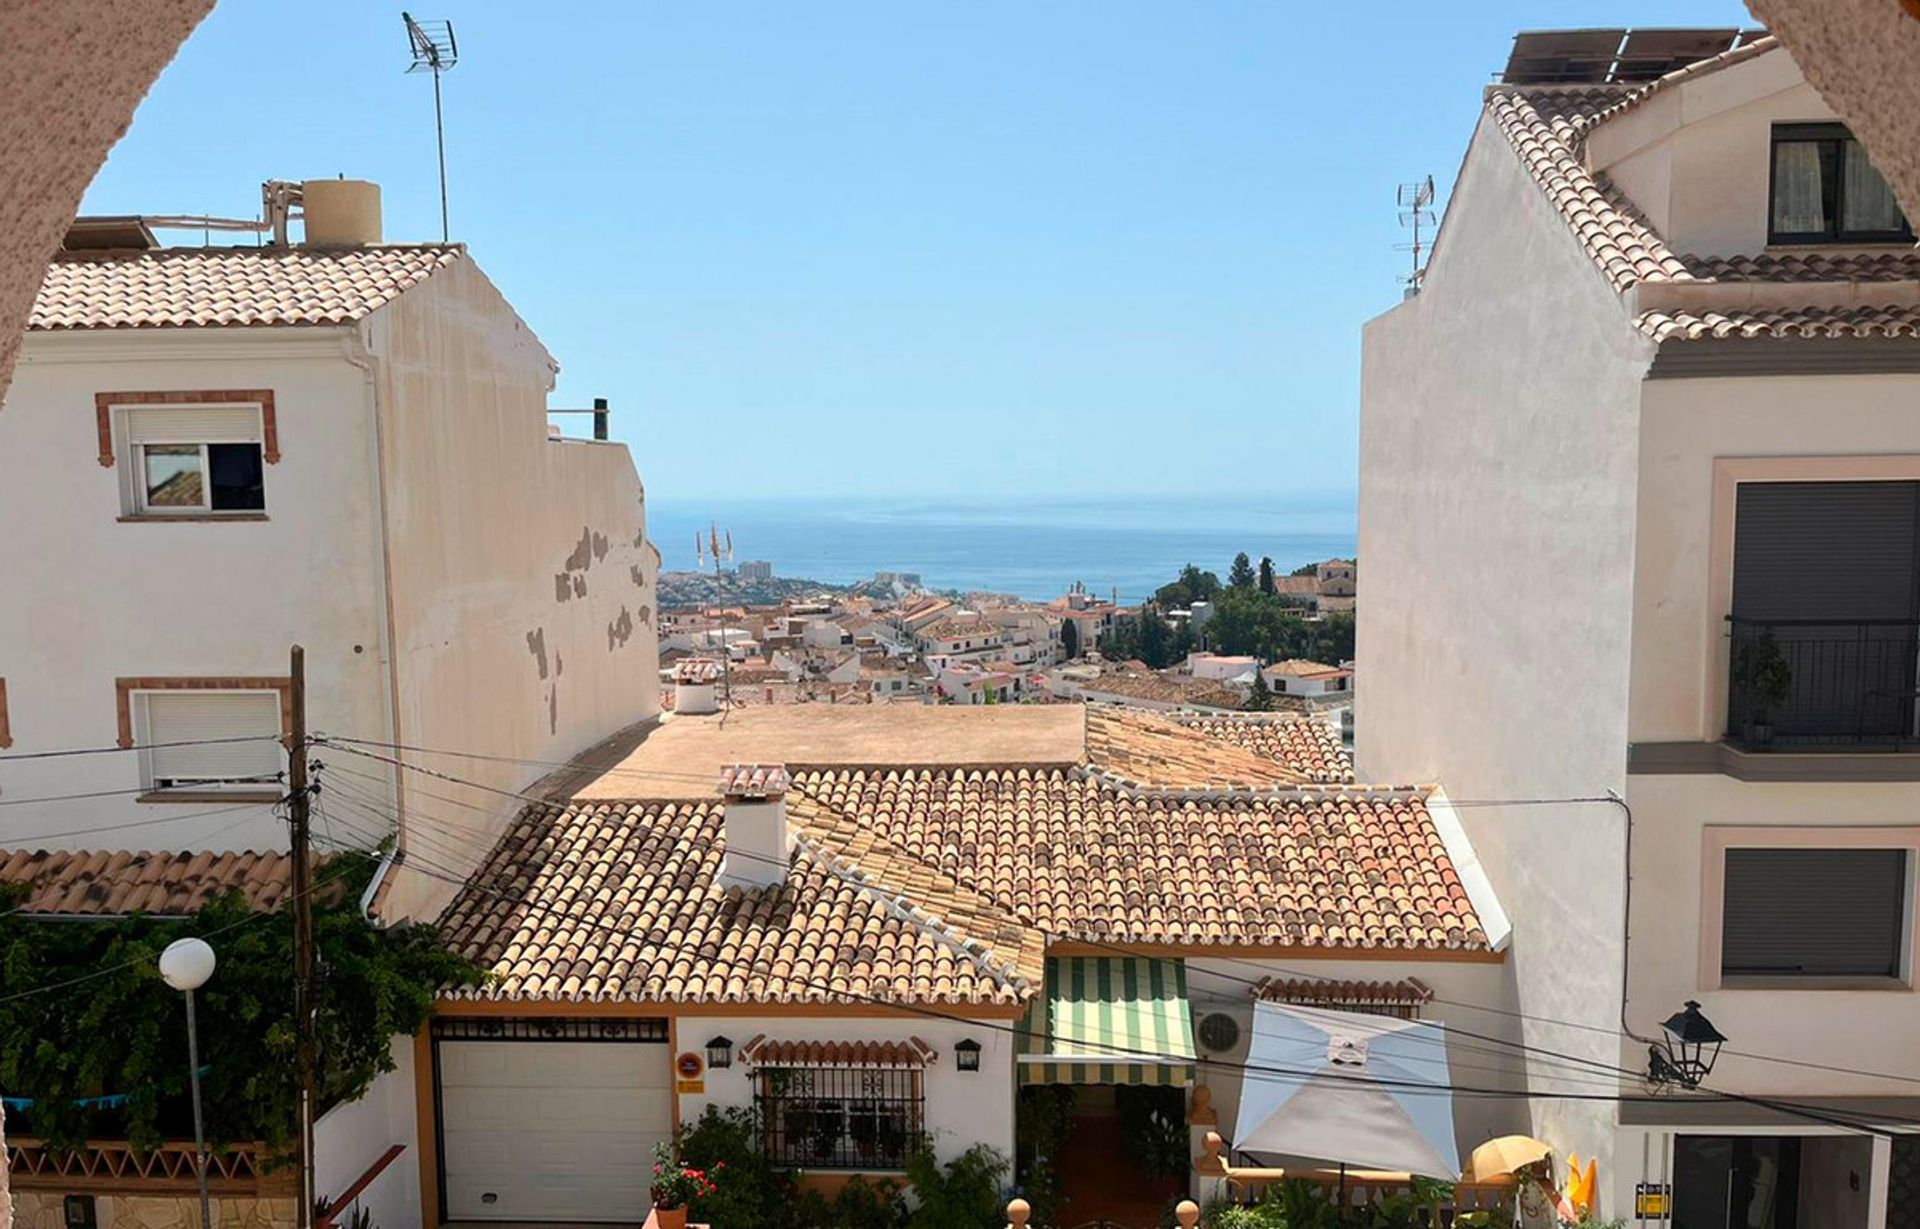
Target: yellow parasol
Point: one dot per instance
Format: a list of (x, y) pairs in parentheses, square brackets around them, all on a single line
[(1505, 1155)]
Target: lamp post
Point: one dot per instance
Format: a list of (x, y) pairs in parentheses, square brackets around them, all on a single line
[(1685, 1056), (186, 965)]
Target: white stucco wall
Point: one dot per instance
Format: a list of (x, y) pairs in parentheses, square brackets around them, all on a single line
[(348, 1139), (91, 598), (1498, 453), (523, 584), (962, 1108)]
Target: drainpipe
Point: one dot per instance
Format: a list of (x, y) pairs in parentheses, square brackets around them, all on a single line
[(1626, 921), (359, 352)]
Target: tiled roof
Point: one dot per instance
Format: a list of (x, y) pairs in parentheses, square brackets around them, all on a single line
[(1782, 322), (621, 902), (115, 882), (1337, 870), (955, 629), (697, 670), (1164, 690), (753, 781), (245, 286), (1309, 746), (1544, 128), (1325, 992), (1139, 751), (1547, 126), (1300, 667)]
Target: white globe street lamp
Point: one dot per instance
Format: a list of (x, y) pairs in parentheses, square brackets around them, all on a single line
[(186, 965)]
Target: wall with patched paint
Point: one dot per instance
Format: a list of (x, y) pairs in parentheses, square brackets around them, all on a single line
[(522, 581)]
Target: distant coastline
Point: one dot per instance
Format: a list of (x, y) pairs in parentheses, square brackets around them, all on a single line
[(1030, 548)]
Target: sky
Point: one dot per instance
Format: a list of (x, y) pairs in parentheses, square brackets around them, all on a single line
[(985, 251)]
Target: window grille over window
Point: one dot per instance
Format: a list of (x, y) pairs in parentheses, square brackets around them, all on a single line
[(1825, 190), (186, 460), (864, 1118), (202, 740), (1813, 912)]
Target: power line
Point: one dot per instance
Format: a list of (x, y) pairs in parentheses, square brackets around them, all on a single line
[(144, 789), (115, 750)]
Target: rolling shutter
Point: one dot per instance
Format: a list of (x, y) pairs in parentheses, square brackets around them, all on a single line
[(203, 719), (226, 424), (1813, 912), (1831, 551)]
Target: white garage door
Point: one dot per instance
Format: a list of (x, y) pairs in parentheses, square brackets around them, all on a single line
[(551, 1130)]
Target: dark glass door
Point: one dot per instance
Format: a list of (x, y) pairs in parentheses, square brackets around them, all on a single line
[(1735, 1182)]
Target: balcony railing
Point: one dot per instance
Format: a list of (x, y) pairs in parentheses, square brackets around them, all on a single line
[(1811, 684)]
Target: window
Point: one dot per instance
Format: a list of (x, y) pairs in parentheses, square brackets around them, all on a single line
[(1826, 191), (191, 460), (1826, 912), (208, 740), (840, 1117)]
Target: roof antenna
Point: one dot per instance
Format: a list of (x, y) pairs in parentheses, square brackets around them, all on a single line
[(434, 50), (1416, 210)]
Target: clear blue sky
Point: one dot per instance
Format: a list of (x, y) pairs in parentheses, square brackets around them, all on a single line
[(966, 249)]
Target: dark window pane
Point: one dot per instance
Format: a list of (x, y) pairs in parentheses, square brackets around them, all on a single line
[(1813, 912), (173, 475), (1869, 205), (237, 479)]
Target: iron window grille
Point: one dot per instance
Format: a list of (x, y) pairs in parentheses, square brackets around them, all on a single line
[(862, 1118)]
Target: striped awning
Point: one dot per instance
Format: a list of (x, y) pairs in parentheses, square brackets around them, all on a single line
[(1109, 1020)]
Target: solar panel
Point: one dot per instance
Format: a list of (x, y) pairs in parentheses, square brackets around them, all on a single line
[(1613, 55), (1650, 54)]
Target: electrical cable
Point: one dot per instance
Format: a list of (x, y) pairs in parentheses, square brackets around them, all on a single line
[(188, 742)]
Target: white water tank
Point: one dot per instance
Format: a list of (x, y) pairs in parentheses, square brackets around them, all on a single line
[(341, 212)]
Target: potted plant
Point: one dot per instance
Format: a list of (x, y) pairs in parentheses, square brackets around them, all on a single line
[(1762, 670), (675, 1186)]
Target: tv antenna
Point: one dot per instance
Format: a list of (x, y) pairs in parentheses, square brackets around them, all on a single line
[(435, 51), (719, 549), (1416, 211)]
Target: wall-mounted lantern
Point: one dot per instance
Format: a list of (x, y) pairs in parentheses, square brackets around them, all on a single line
[(720, 1053), (966, 1055), (1685, 1056)]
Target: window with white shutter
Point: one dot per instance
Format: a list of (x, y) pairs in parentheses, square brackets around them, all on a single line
[(1827, 912), (202, 740), (193, 460)]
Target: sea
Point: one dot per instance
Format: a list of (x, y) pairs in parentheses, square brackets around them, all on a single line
[(1032, 549)]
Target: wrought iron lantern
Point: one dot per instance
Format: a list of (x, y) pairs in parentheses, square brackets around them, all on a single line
[(720, 1053), (1685, 1056), (966, 1055)]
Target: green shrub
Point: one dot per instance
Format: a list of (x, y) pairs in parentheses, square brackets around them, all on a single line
[(966, 1194), (753, 1192)]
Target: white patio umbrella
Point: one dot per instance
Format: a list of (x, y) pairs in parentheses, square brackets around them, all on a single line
[(1368, 1092)]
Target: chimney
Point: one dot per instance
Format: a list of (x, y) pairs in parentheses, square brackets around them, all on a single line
[(340, 213), (695, 687), (759, 845)]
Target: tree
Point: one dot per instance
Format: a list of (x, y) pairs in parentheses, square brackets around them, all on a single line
[(1181, 643), (1240, 575), (1193, 586), (1247, 621), (1260, 699), (1306, 569), (1070, 637), (1266, 574), (1153, 638)]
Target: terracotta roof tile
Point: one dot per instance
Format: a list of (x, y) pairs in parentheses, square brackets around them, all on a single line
[(1309, 745), (112, 882), (1900, 266), (1782, 322), (912, 1052), (1324, 992), (242, 286), (1149, 751)]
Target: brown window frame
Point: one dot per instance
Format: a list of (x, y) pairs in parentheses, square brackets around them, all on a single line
[(103, 404)]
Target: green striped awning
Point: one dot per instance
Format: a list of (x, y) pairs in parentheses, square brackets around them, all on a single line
[(1109, 1020)]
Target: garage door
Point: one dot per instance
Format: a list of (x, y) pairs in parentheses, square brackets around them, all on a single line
[(559, 1127)]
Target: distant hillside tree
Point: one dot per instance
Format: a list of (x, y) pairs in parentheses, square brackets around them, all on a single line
[(1193, 586), (1070, 637), (1240, 575), (1266, 574), (1306, 569), (1153, 640)]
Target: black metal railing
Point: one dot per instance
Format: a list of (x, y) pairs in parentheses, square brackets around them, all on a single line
[(1823, 683), (864, 1118)]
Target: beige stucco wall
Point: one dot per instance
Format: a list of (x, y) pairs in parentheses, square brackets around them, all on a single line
[(1697, 158), (70, 77), (1498, 451), (522, 581), (92, 598), (1680, 605), (42, 1210)]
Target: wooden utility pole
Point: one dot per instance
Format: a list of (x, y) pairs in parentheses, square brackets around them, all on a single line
[(298, 799)]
